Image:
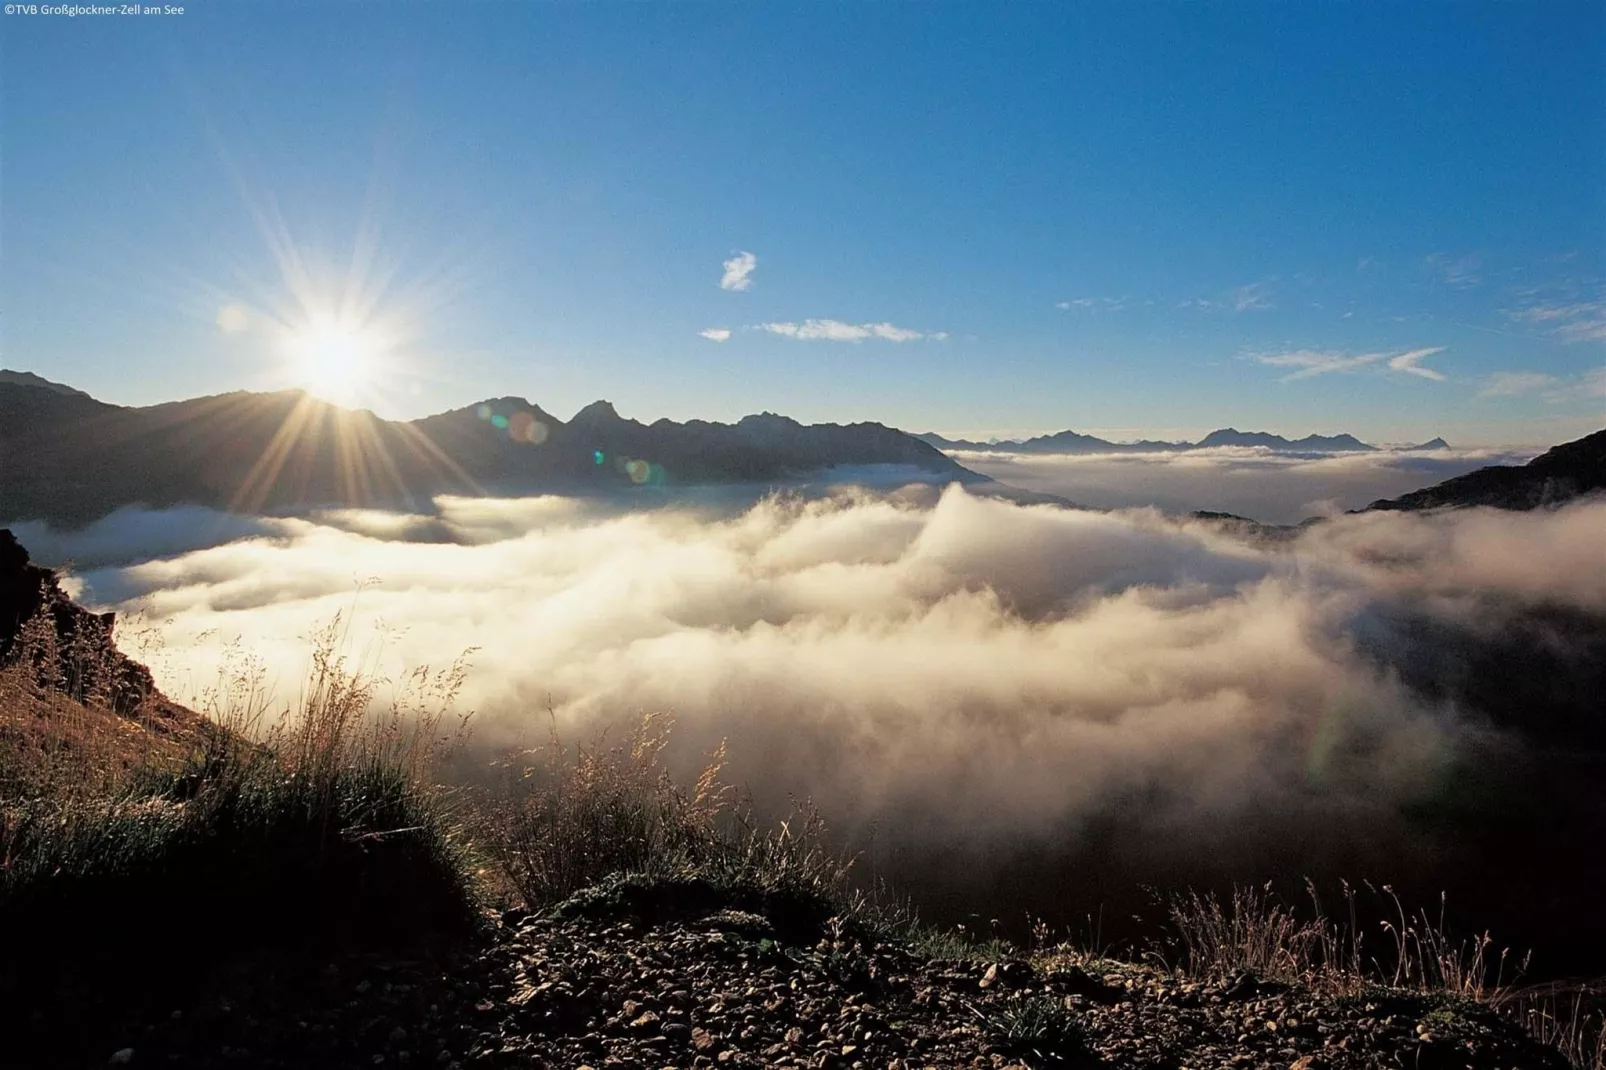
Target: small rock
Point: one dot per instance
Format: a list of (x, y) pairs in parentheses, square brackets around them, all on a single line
[(122, 1057)]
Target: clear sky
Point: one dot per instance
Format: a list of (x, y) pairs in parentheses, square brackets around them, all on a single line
[(1135, 218)]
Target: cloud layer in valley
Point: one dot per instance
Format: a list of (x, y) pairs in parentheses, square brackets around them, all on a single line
[(969, 678), (1274, 488)]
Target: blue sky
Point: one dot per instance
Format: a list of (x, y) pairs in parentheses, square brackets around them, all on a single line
[(1145, 218)]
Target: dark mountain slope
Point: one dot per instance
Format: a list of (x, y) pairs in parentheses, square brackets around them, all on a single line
[(1567, 471), (68, 458)]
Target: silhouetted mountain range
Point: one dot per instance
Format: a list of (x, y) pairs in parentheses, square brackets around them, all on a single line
[(1568, 471), (1073, 442), (67, 458)]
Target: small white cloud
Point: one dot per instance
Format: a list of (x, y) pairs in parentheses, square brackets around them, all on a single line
[(1515, 384), (738, 272), (1410, 363), (716, 334), (828, 330)]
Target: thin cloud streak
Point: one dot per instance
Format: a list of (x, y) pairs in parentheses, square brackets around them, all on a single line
[(830, 330)]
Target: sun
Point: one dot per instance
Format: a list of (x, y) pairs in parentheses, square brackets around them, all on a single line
[(335, 360)]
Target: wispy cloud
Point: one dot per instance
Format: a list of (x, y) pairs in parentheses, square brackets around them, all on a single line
[(1410, 363), (716, 334), (1461, 272), (738, 272), (1571, 321), (1309, 363), (828, 330), (1093, 304), (1251, 297), (1516, 384), (1588, 386)]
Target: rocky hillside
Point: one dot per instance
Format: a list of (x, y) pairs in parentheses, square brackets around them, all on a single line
[(1568, 471), (69, 647), (67, 458)]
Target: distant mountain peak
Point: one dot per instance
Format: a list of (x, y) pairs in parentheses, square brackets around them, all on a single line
[(767, 419), (30, 379), (1231, 436), (598, 412), (1431, 444)]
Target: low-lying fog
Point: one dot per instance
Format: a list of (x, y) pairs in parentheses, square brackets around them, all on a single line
[(1009, 707), (1274, 488)]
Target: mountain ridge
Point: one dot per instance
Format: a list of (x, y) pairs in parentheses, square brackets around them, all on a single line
[(68, 458), (1075, 442)]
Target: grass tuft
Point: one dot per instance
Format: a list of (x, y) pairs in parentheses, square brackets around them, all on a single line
[(609, 817), (1041, 1027)]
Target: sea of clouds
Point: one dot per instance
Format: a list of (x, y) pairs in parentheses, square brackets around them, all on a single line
[(1268, 486), (963, 684)]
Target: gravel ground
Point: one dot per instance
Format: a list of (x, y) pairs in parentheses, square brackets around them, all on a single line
[(728, 990)]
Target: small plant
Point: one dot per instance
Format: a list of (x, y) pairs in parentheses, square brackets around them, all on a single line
[(1038, 1026)]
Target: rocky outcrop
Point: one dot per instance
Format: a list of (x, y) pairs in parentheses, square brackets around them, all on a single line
[(69, 648)]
